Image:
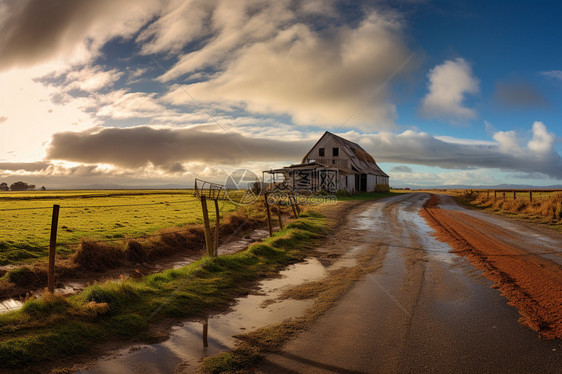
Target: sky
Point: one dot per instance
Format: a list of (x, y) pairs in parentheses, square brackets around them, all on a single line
[(160, 92)]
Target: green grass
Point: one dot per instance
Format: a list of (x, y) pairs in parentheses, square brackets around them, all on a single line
[(100, 215), (55, 327)]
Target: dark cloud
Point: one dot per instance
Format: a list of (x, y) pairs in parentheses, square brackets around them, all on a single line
[(519, 94), (401, 169), (138, 146), (25, 166), (34, 30)]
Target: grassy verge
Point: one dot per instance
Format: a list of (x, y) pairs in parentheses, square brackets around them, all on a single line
[(54, 327), (546, 208), (253, 346)]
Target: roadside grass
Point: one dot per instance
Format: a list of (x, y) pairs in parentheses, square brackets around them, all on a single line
[(55, 327), (98, 215), (546, 208)]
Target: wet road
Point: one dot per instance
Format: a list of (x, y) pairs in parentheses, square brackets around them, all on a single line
[(425, 310)]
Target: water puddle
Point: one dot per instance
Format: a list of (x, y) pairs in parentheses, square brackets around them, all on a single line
[(191, 342), (10, 305)]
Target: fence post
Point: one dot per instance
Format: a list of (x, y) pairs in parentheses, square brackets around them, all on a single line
[(279, 214), (52, 249), (514, 197), (208, 240), (268, 215), (217, 213), (205, 332), (488, 195), (495, 195), (504, 195), (531, 196)]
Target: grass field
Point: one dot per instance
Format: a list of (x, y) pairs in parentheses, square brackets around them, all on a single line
[(546, 207), (99, 215)]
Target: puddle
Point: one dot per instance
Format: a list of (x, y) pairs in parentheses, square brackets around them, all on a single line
[(10, 305), (368, 219), (191, 342)]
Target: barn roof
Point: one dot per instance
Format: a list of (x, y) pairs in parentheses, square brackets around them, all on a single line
[(361, 161)]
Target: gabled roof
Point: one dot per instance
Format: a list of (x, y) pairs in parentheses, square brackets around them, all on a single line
[(361, 161)]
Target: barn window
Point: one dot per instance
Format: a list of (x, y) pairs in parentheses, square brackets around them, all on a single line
[(321, 152), (335, 152)]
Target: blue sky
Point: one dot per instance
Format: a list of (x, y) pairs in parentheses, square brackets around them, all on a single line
[(157, 92)]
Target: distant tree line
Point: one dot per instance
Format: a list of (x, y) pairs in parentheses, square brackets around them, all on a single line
[(18, 186)]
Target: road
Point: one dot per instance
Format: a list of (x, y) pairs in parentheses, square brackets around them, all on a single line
[(426, 309)]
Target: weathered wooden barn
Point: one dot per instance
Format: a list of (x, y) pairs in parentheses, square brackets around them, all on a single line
[(332, 164)]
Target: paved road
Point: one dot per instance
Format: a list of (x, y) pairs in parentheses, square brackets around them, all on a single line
[(424, 310)]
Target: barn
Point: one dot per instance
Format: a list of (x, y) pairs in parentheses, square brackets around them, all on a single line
[(332, 164)]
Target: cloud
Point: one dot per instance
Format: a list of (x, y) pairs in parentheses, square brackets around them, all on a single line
[(401, 169), (448, 85), (172, 149), (33, 31), (3, 119), (91, 79), (269, 59), (510, 151), (553, 74), (24, 166), (519, 95), (137, 147)]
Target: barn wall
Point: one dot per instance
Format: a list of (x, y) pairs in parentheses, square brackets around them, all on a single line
[(328, 143), (371, 182)]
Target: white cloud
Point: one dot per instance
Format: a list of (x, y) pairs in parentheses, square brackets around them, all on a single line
[(91, 79), (543, 141), (448, 85), (270, 62)]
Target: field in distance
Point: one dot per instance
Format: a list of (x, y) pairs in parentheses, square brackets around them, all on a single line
[(96, 214)]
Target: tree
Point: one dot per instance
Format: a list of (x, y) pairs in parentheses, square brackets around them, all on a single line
[(4, 186), (43, 188), (19, 186)]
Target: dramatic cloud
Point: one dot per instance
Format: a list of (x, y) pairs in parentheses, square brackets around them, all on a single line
[(32, 31), (448, 85), (138, 147), (265, 57), (169, 149), (519, 95)]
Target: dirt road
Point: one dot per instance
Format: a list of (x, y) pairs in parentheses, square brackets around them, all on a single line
[(427, 309)]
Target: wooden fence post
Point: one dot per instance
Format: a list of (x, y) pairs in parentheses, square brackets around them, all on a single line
[(531, 196), (504, 195), (495, 195), (268, 215), (488, 195), (205, 332), (514, 197), (217, 214), (279, 214), (52, 249), (208, 240)]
